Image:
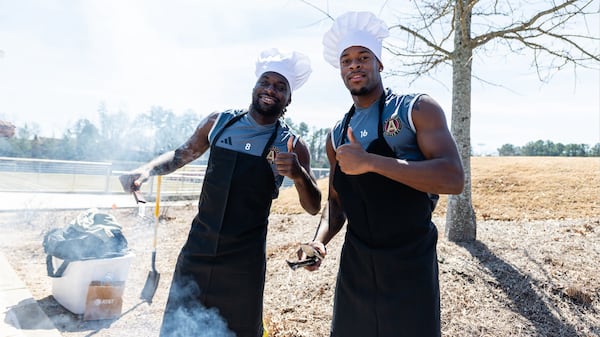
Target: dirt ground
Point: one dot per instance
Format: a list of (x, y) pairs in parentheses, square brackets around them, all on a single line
[(533, 270)]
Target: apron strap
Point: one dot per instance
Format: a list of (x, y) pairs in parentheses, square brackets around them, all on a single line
[(228, 124), (271, 140), (237, 118), (350, 113)]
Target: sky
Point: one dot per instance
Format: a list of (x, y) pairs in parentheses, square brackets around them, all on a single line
[(61, 59)]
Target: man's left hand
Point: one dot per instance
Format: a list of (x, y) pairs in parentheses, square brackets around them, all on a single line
[(287, 163), (351, 157)]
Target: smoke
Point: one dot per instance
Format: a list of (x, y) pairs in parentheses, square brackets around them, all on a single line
[(196, 321), (188, 317)]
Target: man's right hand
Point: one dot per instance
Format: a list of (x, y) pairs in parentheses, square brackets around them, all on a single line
[(128, 182), (321, 250), (131, 182)]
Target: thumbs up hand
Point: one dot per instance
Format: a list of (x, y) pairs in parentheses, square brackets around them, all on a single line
[(351, 137), (290, 144), (287, 162), (351, 157)]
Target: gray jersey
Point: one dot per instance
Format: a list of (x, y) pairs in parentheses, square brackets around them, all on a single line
[(398, 128), (247, 136)]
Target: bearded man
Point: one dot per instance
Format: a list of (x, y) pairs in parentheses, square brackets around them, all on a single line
[(222, 265)]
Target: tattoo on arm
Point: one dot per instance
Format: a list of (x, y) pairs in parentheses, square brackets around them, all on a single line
[(169, 165)]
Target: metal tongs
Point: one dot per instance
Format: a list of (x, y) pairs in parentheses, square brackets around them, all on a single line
[(129, 186), (312, 256)]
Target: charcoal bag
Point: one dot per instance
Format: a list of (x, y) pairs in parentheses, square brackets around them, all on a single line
[(92, 235)]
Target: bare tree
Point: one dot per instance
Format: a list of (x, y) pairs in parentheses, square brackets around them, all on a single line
[(450, 32)]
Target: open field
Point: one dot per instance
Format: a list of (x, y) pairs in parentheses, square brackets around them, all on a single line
[(521, 188), (532, 272)]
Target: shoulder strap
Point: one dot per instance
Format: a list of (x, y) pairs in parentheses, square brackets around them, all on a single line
[(350, 113), (228, 124), (271, 139), (382, 100)]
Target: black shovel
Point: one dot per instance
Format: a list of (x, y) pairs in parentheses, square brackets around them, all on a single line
[(153, 275)]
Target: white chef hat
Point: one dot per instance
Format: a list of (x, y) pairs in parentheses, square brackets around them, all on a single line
[(292, 65), (354, 29)]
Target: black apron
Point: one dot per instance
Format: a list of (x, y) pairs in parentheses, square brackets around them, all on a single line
[(222, 265), (387, 284)]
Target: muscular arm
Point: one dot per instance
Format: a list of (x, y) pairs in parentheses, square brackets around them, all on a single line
[(328, 229), (337, 218), (295, 164), (170, 161), (441, 172)]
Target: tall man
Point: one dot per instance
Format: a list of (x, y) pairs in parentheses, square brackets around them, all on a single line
[(222, 264), (390, 156)]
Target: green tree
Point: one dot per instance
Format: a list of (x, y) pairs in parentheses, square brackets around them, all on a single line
[(595, 150), (66, 147), (558, 149), (316, 146), (303, 130), (185, 125), (536, 148), (509, 150), (50, 148), (160, 130), (87, 139), (576, 150), (291, 125), (114, 129), (21, 144)]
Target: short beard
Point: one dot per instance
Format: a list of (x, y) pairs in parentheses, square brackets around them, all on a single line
[(274, 111), (359, 92)]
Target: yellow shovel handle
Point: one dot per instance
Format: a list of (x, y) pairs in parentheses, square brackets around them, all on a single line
[(156, 209), (156, 212)]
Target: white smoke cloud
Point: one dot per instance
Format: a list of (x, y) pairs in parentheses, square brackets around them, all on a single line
[(191, 318)]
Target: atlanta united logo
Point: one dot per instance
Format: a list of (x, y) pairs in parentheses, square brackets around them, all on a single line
[(272, 154), (392, 126)]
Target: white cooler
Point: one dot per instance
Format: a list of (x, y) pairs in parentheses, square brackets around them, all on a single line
[(71, 289)]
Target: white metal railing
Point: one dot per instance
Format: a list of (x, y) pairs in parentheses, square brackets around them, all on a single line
[(63, 176)]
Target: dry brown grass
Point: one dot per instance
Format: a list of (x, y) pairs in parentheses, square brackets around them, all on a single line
[(536, 188), (532, 271), (517, 188)]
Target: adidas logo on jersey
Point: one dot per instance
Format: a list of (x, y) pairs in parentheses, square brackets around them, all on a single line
[(226, 141)]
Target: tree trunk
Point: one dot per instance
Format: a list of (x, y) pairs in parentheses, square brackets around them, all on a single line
[(460, 217)]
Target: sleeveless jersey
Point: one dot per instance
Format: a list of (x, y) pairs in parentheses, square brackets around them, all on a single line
[(247, 136), (398, 128)]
